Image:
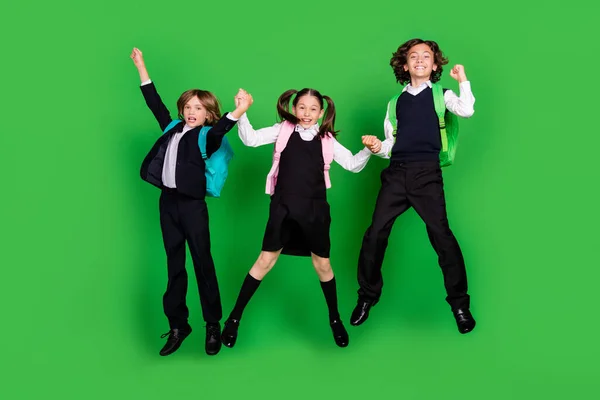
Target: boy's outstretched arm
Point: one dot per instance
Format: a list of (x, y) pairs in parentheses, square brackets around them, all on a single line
[(214, 138), (153, 100), (461, 105), (138, 60), (243, 101)]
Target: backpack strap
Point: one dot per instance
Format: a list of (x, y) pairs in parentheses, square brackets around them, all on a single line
[(391, 111), (286, 130), (327, 142), (440, 110), (171, 125), (202, 140)]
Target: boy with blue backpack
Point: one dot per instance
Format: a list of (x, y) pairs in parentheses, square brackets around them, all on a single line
[(188, 162), (421, 131)]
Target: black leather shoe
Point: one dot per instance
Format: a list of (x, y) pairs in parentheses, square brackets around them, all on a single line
[(340, 335), (213, 339), (175, 338), (464, 320), (230, 332), (361, 312)]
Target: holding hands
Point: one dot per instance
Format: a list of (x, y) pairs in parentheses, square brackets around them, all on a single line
[(243, 101), (372, 143)]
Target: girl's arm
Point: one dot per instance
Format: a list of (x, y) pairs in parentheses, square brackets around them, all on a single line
[(255, 138), (247, 134), (353, 163), (153, 100)]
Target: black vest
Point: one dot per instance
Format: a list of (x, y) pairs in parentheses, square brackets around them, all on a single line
[(301, 168), (418, 134), (190, 168)]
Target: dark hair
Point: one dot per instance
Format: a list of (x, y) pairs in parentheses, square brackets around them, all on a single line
[(208, 100), (283, 107), (399, 60)]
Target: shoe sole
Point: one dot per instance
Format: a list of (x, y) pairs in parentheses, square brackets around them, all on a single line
[(171, 351), (168, 354), (229, 344), (213, 353), (468, 330), (357, 323), (174, 349)]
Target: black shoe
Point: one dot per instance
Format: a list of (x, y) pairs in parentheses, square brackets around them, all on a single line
[(464, 320), (176, 337), (340, 335), (230, 332), (361, 312), (213, 339)]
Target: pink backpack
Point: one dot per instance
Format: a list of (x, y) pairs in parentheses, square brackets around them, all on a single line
[(284, 135)]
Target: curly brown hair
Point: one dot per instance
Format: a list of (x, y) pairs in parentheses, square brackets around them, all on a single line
[(399, 60)]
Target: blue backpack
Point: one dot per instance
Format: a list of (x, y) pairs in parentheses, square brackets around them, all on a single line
[(218, 163)]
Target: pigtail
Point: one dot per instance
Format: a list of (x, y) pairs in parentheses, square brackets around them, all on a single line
[(283, 106), (328, 119)]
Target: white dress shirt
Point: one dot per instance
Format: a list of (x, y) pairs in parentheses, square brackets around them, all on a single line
[(341, 155), (170, 164), (459, 105)]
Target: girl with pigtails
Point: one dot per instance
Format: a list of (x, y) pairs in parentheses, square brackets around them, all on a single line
[(299, 215)]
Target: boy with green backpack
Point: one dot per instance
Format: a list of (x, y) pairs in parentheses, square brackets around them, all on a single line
[(421, 131)]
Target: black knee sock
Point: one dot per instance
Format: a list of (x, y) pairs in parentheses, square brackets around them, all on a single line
[(330, 292), (246, 292)]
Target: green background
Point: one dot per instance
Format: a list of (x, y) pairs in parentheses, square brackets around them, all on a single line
[(83, 267)]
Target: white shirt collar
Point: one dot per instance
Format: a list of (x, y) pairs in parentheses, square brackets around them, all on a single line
[(313, 129), (421, 87), (186, 128)]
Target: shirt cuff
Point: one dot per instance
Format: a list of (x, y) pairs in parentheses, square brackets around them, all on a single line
[(149, 81), (383, 153), (231, 117), (466, 85)]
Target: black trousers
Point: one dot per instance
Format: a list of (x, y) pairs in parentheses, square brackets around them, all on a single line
[(185, 219), (418, 185)]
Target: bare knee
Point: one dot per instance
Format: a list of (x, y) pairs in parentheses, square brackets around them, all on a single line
[(322, 267), (265, 262)]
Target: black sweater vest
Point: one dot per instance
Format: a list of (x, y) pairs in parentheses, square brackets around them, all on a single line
[(418, 134), (301, 169)]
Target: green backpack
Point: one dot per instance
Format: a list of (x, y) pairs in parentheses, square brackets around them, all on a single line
[(448, 124)]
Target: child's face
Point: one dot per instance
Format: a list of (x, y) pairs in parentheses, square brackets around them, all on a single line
[(420, 61), (308, 110), (194, 112)]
